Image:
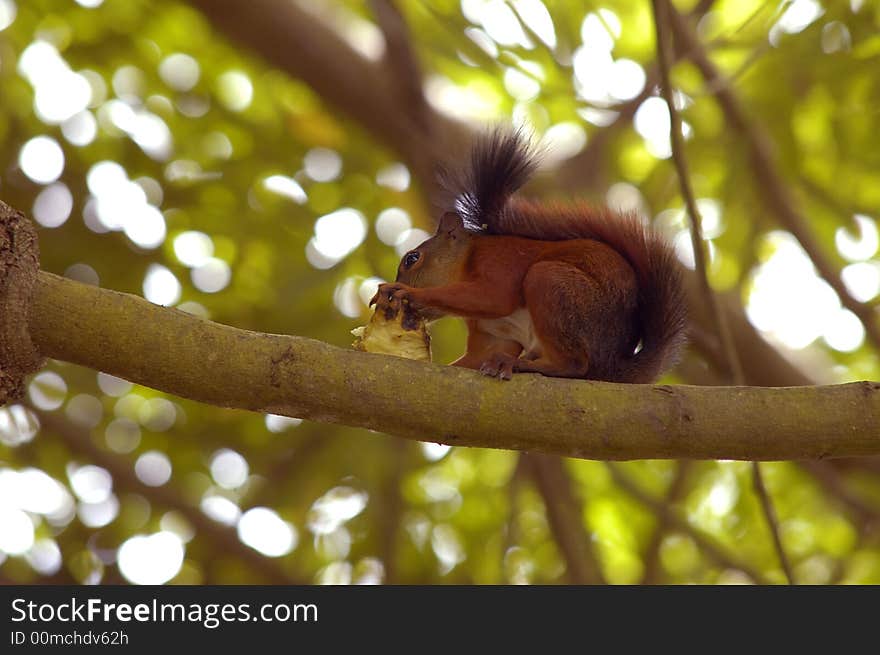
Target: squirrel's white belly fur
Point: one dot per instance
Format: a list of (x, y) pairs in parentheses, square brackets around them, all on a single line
[(516, 326)]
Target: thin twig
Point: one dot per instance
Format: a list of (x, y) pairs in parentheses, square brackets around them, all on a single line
[(776, 193), (706, 543), (661, 20), (514, 485), (391, 507), (772, 522), (563, 513), (588, 167), (828, 476), (293, 464), (677, 141), (673, 494)]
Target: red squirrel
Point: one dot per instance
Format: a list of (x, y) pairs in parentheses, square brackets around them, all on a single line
[(565, 290)]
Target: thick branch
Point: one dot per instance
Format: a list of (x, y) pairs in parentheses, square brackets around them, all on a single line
[(19, 263), (184, 355), (289, 37)]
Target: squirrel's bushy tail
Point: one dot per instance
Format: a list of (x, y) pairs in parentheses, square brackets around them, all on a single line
[(501, 162)]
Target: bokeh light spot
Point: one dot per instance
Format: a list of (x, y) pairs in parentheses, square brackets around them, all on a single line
[(112, 385), (82, 273), (334, 508), (80, 129), (862, 280), (90, 483), (391, 223), (153, 559), (346, 298), (42, 159), (212, 276), (84, 410), (18, 425), (47, 390), (193, 248), (145, 226), (263, 530), (336, 235), (17, 535), (276, 423), (394, 176), (8, 11), (534, 14), (235, 90), (122, 435), (844, 331), (99, 514), (53, 205), (220, 509), (322, 164), (861, 246), (153, 468), (161, 286), (229, 469), (286, 186), (179, 71), (788, 300), (44, 557)]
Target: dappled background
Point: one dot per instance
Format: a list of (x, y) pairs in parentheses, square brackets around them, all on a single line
[(266, 169)]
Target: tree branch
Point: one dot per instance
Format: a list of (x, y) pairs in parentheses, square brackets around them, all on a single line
[(704, 542), (831, 482), (769, 512), (391, 507), (401, 60), (193, 358), (662, 10), (564, 516), (674, 493), (766, 173), (289, 37)]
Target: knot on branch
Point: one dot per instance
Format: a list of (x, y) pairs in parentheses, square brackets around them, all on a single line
[(19, 265)]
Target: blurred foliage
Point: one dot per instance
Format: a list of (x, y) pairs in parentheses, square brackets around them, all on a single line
[(242, 161)]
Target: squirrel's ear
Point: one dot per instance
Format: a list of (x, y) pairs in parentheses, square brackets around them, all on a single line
[(451, 222)]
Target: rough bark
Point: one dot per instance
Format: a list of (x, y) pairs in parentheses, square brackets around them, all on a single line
[(184, 355), (19, 263)]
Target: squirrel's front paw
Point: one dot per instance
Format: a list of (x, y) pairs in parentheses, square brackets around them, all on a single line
[(387, 295), (499, 365), (392, 295)]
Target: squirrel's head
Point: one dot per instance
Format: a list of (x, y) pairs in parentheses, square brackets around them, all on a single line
[(440, 259)]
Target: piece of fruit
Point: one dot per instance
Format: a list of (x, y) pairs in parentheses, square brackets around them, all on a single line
[(400, 332)]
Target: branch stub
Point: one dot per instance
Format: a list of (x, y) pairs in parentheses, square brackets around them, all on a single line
[(19, 265)]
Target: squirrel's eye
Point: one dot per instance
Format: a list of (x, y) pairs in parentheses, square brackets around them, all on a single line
[(411, 258)]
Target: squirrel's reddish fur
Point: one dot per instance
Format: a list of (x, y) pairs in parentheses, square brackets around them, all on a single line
[(601, 290)]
